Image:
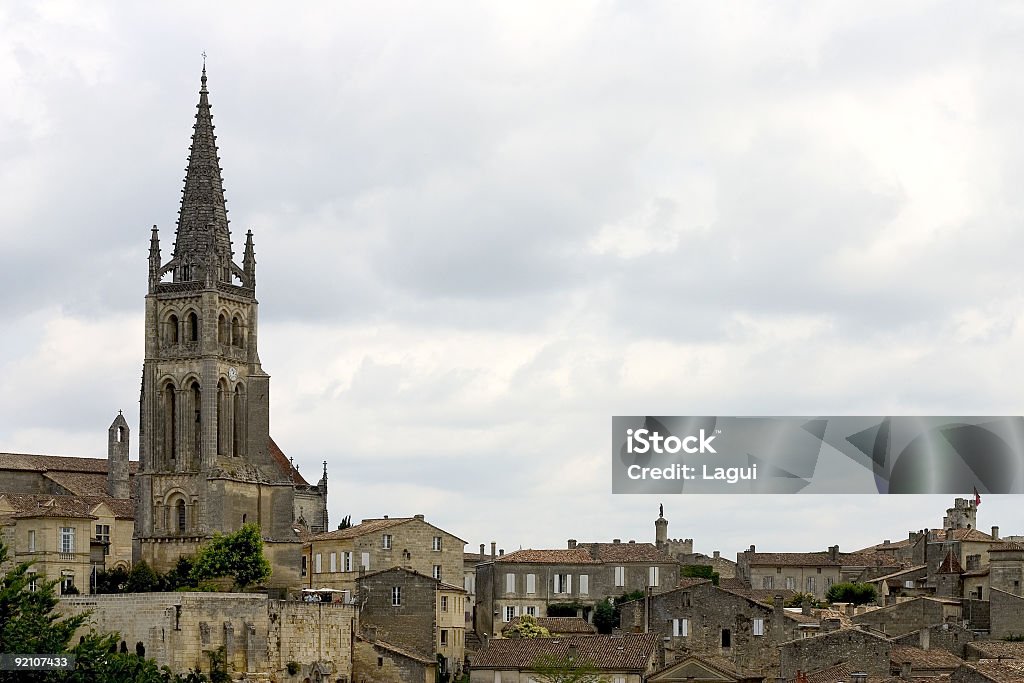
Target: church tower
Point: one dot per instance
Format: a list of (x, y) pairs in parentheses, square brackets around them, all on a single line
[(206, 464)]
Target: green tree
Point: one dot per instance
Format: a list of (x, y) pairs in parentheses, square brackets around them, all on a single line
[(142, 579), (552, 668), (857, 593), (527, 627), (238, 555), (604, 616), (112, 580), (345, 522), (700, 571)]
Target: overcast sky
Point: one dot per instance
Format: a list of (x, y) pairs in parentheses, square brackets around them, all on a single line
[(484, 229)]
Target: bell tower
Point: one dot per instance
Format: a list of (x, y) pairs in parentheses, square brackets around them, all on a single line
[(205, 462)]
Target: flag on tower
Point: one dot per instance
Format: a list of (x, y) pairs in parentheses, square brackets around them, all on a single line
[(977, 497)]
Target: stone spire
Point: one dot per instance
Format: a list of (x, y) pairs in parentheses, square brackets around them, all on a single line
[(249, 261), (203, 219), (154, 259)]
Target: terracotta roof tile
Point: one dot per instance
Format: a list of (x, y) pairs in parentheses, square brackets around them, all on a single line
[(400, 651), (959, 535), (368, 526), (558, 625), (920, 660), (575, 555), (628, 652), (626, 552), (30, 505), (994, 649), (831, 674), (1006, 546), (285, 465), (950, 565), (60, 463), (997, 672)]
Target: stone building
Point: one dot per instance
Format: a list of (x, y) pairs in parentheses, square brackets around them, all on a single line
[(260, 636), (206, 460), (856, 649), (335, 559), (415, 613), (626, 658), (72, 517), (910, 615), (528, 582), (699, 618)]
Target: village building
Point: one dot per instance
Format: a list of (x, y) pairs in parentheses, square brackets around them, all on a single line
[(337, 558), (626, 658)]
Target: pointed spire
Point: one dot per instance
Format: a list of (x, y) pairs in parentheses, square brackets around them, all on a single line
[(154, 258), (202, 219), (249, 261)]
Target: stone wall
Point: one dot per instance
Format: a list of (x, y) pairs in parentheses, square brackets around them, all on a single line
[(180, 630), (858, 649), (1007, 614), (952, 638), (410, 624), (911, 615), (373, 662)]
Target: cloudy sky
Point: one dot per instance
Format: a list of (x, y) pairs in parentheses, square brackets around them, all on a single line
[(484, 229)]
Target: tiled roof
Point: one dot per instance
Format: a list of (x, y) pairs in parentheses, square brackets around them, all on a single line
[(901, 572), (976, 572), (626, 552), (628, 652), (368, 526), (711, 661), (558, 625), (997, 672), (690, 581), (285, 465), (1006, 546), (575, 555), (893, 545), (994, 649), (400, 651), (60, 463), (820, 559), (950, 565), (80, 483), (831, 674), (763, 595), (919, 659), (959, 535), (732, 583), (441, 585), (31, 505)]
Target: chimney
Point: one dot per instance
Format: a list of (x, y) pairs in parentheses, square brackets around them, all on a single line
[(385, 516), (925, 638), (501, 553), (995, 533), (859, 677), (717, 554), (494, 549), (572, 544), (885, 542), (833, 553), (616, 540), (632, 541), (779, 618), (752, 549), (905, 671), (419, 517), (481, 551)]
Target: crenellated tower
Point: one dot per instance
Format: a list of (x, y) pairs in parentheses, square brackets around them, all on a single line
[(206, 464)]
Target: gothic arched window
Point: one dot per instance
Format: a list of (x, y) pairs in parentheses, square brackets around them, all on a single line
[(172, 330), (193, 327), (180, 508)]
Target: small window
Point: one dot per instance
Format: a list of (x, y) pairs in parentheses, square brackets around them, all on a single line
[(318, 564), (531, 584), (396, 596), (584, 584), (652, 576), (778, 570), (346, 561), (364, 561), (32, 541), (531, 610), (758, 627), (444, 637), (437, 572), (680, 628), (385, 542), (767, 582), (444, 603), (437, 543), (334, 562), (380, 661), (67, 539), (510, 583), (726, 638), (810, 584), (790, 583), (620, 576), (303, 568), (510, 613), (33, 583)]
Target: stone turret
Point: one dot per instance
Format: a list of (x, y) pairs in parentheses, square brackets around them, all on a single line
[(661, 529), (117, 458), (963, 515)]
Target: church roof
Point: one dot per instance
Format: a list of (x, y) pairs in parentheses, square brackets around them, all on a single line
[(203, 217), (57, 463), (950, 565), (285, 464)]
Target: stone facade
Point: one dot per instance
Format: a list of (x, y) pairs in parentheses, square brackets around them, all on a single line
[(528, 581), (259, 635), (910, 615), (952, 638), (859, 650), (1006, 615), (337, 558), (207, 463), (703, 619), (376, 661)]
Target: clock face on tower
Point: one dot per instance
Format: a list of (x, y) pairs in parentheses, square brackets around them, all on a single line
[(232, 374)]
